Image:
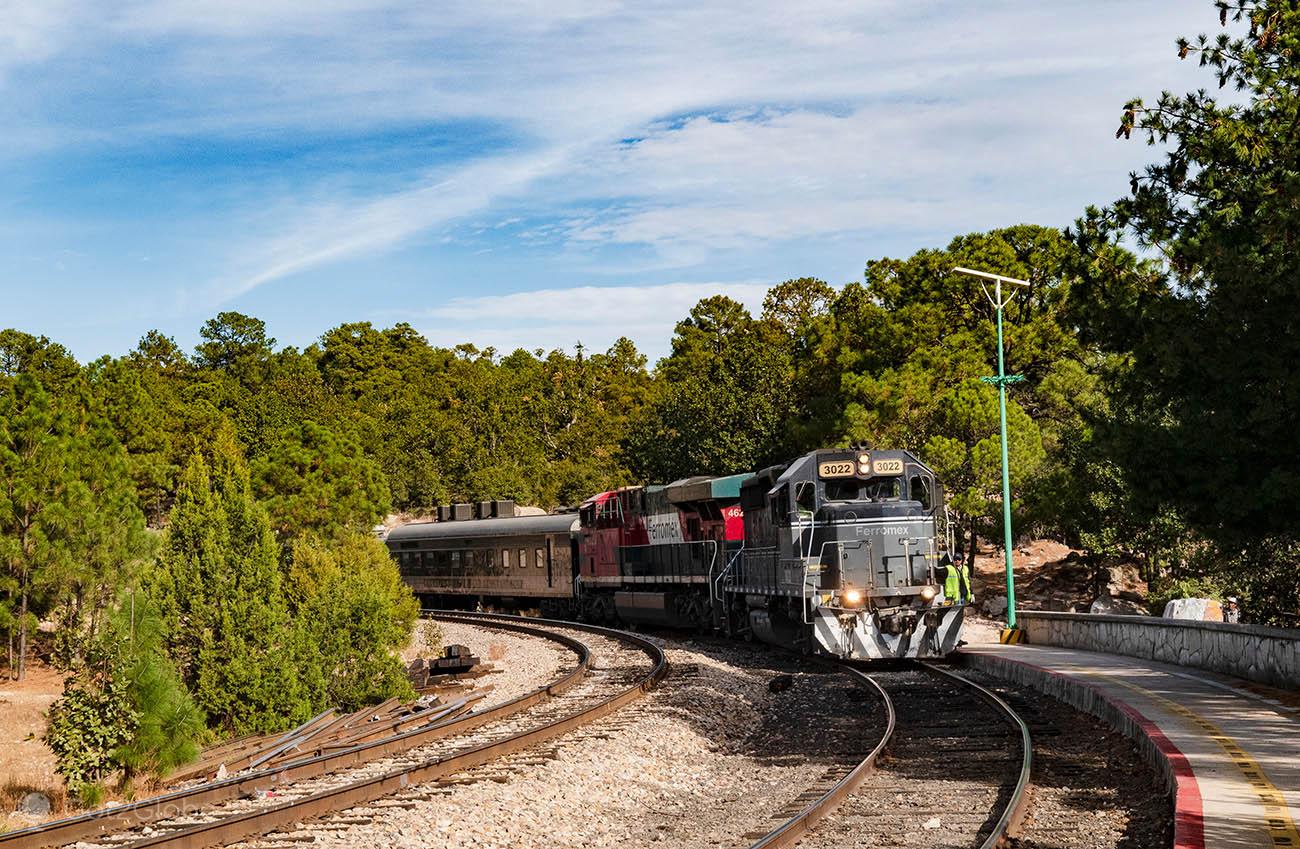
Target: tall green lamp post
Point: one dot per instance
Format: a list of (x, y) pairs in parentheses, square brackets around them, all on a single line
[(996, 298)]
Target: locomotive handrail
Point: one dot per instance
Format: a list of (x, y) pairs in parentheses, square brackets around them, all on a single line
[(716, 584)]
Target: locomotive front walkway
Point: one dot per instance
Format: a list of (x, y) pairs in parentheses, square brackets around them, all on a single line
[(1230, 748)]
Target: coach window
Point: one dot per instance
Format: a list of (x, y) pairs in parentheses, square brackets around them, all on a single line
[(539, 558), (919, 489), (491, 559), (523, 559), (505, 559)]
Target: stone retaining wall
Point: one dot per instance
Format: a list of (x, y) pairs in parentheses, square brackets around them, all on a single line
[(1267, 655)]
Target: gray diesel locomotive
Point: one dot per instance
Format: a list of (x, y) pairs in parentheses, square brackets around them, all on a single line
[(842, 554), (836, 552)]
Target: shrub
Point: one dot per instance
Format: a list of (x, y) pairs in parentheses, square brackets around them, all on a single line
[(86, 728)]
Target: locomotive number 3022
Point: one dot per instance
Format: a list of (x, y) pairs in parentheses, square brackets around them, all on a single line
[(836, 469)]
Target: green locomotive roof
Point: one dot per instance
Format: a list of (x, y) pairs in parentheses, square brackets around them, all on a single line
[(706, 489)]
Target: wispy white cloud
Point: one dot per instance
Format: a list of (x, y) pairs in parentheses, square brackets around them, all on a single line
[(335, 230), (755, 123)]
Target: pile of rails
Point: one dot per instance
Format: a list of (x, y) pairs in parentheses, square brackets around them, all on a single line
[(332, 731), (324, 734)]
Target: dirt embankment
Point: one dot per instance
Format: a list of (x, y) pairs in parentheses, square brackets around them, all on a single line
[(26, 763), (1052, 576)]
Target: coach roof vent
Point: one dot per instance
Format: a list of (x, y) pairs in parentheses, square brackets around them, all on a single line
[(461, 512), (503, 509), (444, 512)]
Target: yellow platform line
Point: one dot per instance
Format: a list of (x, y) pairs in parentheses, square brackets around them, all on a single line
[(1281, 827)]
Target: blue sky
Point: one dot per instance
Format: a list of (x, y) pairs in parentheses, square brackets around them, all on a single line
[(534, 173)]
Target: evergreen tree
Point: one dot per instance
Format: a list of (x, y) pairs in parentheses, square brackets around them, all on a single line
[(721, 397), (36, 479), (312, 481), (218, 589), (123, 705), (1208, 409), (356, 616)]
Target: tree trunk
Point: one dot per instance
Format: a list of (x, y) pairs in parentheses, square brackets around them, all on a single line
[(974, 540), (22, 636)]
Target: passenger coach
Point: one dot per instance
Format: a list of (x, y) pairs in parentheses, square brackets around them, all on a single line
[(495, 561)]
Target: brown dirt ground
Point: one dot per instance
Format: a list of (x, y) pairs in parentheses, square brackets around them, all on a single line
[(1029, 560), (1053, 576), (26, 763)]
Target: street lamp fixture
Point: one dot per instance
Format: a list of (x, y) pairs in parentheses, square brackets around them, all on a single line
[(999, 301)]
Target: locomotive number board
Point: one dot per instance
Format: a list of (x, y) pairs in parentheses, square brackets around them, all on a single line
[(837, 469), (887, 467)]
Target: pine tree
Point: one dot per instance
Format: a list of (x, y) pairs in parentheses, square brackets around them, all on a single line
[(35, 477), (218, 588), (315, 481), (123, 707)]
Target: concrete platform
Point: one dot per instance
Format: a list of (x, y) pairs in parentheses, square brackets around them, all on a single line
[(1229, 749)]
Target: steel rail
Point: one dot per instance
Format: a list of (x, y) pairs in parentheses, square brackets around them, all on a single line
[(1014, 811), (255, 823), (190, 800), (790, 832), (794, 829)]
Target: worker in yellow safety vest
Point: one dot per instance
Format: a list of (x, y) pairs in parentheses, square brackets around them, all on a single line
[(956, 582)]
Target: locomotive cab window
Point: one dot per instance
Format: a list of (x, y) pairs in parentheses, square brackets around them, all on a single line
[(806, 496), (877, 489), (919, 490), (844, 489), (884, 489)]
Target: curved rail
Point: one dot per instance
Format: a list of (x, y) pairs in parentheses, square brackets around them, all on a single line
[(253, 823), (790, 831), (1018, 804), (190, 800), (241, 827), (798, 826)]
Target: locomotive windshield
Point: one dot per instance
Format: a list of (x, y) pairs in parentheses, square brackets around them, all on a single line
[(850, 489)]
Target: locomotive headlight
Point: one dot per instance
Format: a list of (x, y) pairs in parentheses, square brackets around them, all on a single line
[(928, 593), (852, 597), (864, 464)]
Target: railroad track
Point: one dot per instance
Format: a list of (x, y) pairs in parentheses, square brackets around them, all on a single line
[(613, 669), (956, 772)]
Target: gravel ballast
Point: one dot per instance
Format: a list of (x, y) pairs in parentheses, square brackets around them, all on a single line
[(700, 762), (707, 760), (520, 663)]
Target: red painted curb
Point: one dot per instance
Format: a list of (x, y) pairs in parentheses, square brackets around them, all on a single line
[(1189, 811)]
